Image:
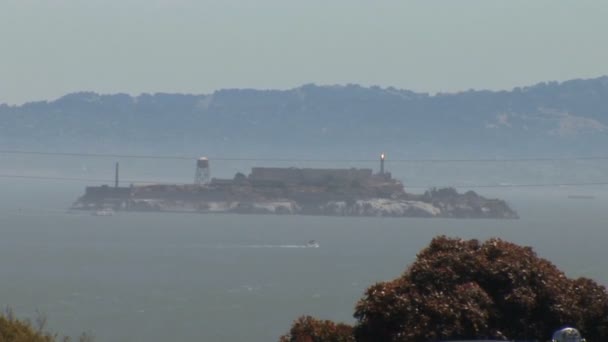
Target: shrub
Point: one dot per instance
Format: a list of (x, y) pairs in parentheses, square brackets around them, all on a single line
[(458, 289), (308, 329), (16, 330)]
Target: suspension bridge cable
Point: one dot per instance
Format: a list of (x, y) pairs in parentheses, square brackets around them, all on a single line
[(278, 159), (413, 186)]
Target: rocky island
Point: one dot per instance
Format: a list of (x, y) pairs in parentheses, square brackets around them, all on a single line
[(295, 191)]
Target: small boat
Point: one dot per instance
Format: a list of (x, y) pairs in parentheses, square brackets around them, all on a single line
[(104, 212), (312, 244)]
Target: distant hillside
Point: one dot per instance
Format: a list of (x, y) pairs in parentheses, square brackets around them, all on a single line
[(547, 118)]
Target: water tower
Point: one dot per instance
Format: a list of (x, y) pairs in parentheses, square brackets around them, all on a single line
[(202, 175)]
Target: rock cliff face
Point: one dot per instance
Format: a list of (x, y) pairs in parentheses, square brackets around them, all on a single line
[(382, 207), (296, 192)]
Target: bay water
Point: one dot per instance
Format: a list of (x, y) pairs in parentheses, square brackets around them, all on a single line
[(182, 277)]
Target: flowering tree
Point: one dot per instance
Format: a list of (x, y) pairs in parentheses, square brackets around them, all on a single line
[(308, 329), (459, 289)]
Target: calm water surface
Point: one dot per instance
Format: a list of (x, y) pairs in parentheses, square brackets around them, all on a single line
[(160, 277)]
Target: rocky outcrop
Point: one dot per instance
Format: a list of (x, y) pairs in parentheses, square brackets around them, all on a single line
[(290, 191), (381, 207), (378, 207)]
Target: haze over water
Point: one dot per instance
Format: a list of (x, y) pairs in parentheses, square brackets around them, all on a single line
[(159, 277), (305, 81)]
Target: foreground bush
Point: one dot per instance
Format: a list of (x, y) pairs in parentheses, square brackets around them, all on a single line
[(16, 330), (459, 289), (308, 329)]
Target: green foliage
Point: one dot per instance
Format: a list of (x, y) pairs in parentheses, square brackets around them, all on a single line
[(442, 193), (16, 330), (240, 178), (463, 289), (308, 329)]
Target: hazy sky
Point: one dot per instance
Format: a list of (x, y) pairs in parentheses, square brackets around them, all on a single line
[(53, 47)]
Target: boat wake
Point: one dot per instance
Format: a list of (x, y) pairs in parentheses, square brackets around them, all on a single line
[(280, 246), (310, 244)]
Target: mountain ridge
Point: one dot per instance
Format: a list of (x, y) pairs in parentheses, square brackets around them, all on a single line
[(549, 117)]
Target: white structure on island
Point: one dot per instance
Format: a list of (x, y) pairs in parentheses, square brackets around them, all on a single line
[(202, 175)]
